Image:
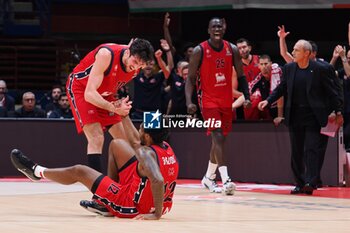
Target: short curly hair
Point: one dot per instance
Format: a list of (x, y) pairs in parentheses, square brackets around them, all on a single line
[(157, 135), (143, 49)]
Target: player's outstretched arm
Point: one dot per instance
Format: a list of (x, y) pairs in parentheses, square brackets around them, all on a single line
[(149, 167), (282, 34), (132, 133)]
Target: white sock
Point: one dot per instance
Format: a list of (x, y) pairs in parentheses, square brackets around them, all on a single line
[(39, 171), (223, 174), (211, 170)]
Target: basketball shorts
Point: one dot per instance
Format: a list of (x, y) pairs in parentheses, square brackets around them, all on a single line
[(213, 111), (118, 197), (85, 113)]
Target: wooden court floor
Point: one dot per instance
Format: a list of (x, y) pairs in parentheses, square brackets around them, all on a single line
[(51, 208)]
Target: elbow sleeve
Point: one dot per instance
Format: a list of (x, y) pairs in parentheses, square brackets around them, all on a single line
[(243, 86)]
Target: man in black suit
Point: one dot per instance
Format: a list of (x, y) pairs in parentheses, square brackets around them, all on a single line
[(311, 95), (6, 101)]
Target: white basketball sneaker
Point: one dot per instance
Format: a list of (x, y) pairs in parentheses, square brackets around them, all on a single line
[(228, 187), (211, 185)]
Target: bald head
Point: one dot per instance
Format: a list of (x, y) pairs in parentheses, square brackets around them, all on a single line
[(306, 45), (301, 52)]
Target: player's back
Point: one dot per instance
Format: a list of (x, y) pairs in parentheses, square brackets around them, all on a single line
[(115, 75), (169, 169)]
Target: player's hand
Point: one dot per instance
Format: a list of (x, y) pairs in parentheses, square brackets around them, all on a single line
[(124, 107), (191, 108), (281, 32), (332, 117), (262, 105), (339, 120), (164, 44), (247, 104), (277, 121), (146, 217), (238, 102), (158, 53)]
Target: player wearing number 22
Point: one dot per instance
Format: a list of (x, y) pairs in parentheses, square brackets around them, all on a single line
[(145, 166)]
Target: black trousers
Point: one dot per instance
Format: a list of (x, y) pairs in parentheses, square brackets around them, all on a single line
[(308, 145)]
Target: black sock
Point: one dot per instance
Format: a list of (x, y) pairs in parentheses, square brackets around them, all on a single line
[(94, 161)]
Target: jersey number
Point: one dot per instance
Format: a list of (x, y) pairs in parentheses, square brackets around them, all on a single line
[(113, 189), (120, 85), (169, 191), (220, 63)]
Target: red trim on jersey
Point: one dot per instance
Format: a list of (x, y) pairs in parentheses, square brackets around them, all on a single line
[(114, 78)]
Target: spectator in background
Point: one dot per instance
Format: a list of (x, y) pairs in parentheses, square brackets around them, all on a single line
[(344, 75), (251, 70), (187, 49), (266, 81), (53, 100), (3, 112), (63, 111), (6, 101), (177, 83), (28, 109), (148, 86)]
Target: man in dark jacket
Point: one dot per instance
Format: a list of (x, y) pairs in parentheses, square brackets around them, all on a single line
[(6, 101), (311, 96), (29, 110)]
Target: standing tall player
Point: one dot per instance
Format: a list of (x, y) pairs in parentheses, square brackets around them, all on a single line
[(92, 86), (214, 61)]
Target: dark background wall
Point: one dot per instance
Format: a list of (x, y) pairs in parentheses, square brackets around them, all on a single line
[(38, 54), (327, 27), (256, 152)]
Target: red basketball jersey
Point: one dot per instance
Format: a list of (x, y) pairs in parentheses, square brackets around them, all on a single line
[(169, 169), (114, 77), (215, 75), (251, 70)]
